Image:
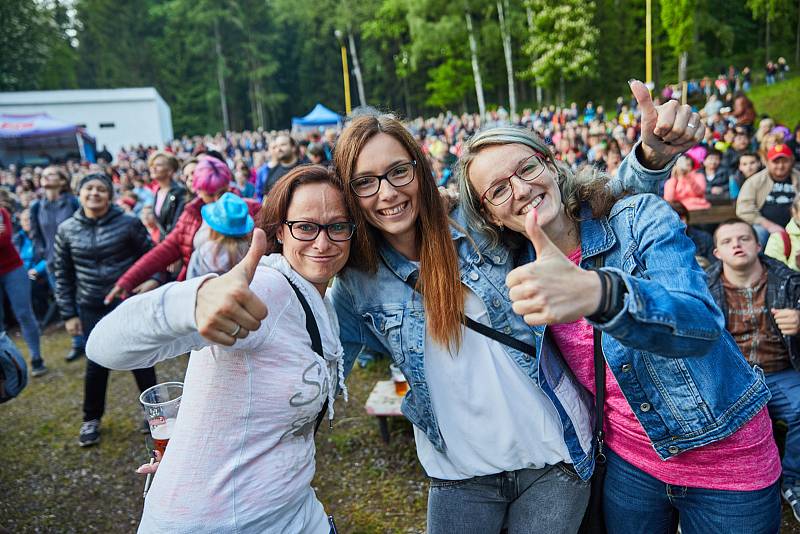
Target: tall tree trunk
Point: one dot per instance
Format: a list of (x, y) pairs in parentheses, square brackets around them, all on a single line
[(357, 69), (766, 48), (529, 13), (562, 92), (476, 71), (797, 42), (221, 76), (683, 59), (506, 36)]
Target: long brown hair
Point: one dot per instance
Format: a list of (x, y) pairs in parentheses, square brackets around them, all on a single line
[(439, 278), (273, 211)]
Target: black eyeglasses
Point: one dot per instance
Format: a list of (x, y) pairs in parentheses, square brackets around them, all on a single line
[(399, 175), (308, 231), (501, 190)]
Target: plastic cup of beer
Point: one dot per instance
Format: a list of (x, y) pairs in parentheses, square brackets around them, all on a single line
[(399, 379), (161, 403)]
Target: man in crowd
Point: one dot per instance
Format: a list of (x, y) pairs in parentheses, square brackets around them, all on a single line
[(749, 164), (765, 199), (759, 298), (58, 205), (286, 151)]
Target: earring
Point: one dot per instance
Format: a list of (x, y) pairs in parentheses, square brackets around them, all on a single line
[(280, 242)]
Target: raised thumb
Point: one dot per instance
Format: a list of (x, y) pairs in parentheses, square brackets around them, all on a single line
[(541, 243), (258, 246), (642, 95)]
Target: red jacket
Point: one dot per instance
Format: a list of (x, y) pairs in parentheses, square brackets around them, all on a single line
[(9, 257), (178, 245)]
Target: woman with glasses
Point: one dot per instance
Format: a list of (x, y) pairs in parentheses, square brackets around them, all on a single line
[(686, 425), (241, 457)]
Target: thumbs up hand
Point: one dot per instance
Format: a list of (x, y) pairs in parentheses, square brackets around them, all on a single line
[(551, 289), (667, 130), (227, 309)]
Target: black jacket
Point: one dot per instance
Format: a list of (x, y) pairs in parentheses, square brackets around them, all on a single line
[(91, 254), (783, 291), (171, 209)]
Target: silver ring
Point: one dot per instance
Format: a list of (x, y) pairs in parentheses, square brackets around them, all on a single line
[(690, 125), (236, 330)]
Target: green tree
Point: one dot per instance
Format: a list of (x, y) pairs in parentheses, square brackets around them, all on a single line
[(562, 42), (678, 18)]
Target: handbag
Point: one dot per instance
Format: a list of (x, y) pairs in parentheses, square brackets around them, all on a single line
[(594, 519)]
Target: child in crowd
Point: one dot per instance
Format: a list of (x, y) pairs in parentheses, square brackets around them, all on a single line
[(686, 186), (715, 178), (223, 239), (784, 246)]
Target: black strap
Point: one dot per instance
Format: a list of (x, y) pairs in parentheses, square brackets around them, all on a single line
[(487, 331), (316, 341), (599, 385)]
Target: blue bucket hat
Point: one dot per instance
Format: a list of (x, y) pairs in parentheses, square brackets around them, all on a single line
[(229, 216)]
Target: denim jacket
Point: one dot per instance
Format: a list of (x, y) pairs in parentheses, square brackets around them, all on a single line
[(380, 311), (679, 369)]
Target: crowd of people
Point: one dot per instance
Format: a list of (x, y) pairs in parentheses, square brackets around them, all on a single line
[(550, 226)]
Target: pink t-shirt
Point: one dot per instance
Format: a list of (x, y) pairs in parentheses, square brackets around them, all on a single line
[(747, 460)]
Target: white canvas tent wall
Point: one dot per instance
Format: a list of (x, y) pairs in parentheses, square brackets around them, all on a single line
[(116, 117)]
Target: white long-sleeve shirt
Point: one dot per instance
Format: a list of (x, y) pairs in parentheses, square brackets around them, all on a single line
[(241, 458)]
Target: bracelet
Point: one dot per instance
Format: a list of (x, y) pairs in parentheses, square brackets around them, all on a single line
[(612, 298)]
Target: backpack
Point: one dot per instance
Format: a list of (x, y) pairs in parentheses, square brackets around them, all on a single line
[(13, 369)]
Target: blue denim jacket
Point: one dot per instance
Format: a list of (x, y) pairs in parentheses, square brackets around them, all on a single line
[(680, 370), (380, 311)]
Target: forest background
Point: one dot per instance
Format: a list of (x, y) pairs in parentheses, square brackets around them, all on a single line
[(246, 64)]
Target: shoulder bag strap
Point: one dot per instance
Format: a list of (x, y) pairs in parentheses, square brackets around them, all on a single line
[(599, 384), (316, 341), (487, 331)]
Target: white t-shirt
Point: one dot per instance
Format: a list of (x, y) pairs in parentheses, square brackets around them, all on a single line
[(492, 416), (241, 458)]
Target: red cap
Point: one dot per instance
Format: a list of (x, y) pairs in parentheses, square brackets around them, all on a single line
[(779, 151)]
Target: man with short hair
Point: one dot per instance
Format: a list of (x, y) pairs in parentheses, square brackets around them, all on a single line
[(759, 298), (765, 199), (286, 152)]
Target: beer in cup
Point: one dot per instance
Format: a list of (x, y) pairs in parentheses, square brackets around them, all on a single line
[(399, 379), (161, 403)]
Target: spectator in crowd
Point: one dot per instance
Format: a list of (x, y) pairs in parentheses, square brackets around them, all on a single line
[(47, 213), (703, 242), (262, 173), (170, 196), (35, 265), (766, 197), (749, 164), (739, 145), (148, 219), (686, 186), (794, 144), (15, 284), (785, 246), (212, 178), (288, 158), (93, 248), (223, 239), (760, 298), (242, 182), (714, 178)]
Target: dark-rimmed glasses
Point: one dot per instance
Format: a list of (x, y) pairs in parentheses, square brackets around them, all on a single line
[(501, 190), (399, 175), (308, 231)]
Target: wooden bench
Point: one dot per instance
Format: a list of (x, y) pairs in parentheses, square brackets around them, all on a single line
[(717, 213), (384, 402)]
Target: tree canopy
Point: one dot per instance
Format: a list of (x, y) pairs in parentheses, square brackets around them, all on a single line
[(256, 63)]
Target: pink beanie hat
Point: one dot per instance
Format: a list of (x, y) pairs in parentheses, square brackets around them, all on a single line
[(211, 175)]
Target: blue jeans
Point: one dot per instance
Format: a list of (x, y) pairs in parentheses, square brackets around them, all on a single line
[(785, 406), (551, 500), (634, 502), (17, 286), (77, 341)]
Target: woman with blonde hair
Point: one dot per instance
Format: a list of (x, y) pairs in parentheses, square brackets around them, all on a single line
[(686, 427)]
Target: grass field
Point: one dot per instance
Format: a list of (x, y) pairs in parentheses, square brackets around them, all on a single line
[(781, 101), (49, 484)]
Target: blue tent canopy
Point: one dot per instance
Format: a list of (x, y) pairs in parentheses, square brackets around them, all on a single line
[(319, 116)]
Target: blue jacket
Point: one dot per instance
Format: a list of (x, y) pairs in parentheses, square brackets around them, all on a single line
[(379, 311), (680, 370)]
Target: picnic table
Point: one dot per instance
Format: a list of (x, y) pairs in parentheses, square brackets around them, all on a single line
[(384, 402)]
